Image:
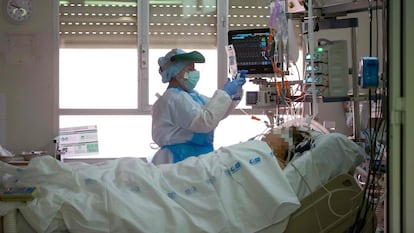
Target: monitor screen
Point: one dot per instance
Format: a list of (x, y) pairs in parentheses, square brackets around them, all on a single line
[(253, 49)]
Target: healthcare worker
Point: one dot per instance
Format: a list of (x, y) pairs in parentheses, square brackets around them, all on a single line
[(183, 121)]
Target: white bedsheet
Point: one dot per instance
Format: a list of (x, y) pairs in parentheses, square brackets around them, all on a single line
[(333, 154), (239, 188)]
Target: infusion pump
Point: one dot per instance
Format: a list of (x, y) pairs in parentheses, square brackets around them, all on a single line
[(329, 72), (270, 93), (266, 97)]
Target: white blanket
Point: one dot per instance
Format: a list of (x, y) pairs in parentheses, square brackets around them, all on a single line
[(333, 154), (239, 188)]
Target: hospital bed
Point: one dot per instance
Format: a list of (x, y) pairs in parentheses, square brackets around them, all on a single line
[(315, 193)]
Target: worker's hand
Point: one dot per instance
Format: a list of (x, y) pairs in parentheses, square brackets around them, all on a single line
[(242, 73), (231, 87)]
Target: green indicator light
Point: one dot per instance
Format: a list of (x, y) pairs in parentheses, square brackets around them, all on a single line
[(319, 50)]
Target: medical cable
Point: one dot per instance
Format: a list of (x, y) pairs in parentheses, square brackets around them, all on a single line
[(258, 135), (359, 223), (330, 193), (243, 111), (371, 139)]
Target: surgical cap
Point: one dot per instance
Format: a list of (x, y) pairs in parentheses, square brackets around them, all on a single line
[(175, 61)]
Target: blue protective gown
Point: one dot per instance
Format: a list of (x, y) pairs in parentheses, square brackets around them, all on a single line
[(183, 123)]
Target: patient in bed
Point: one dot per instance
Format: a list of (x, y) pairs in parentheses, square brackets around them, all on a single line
[(284, 142), (309, 158), (239, 188)]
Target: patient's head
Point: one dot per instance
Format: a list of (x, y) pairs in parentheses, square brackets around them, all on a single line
[(280, 140), (278, 144)]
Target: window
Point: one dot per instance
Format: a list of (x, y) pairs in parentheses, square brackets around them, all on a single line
[(107, 78), (98, 78)]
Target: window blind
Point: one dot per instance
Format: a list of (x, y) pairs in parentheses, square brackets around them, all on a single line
[(246, 14), (189, 24), (114, 24), (99, 24)]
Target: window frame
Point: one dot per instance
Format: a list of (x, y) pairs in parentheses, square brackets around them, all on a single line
[(143, 50)]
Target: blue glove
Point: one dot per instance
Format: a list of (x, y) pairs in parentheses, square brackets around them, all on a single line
[(231, 87), (242, 73)]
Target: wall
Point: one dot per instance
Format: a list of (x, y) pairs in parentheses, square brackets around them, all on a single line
[(28, 79)]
